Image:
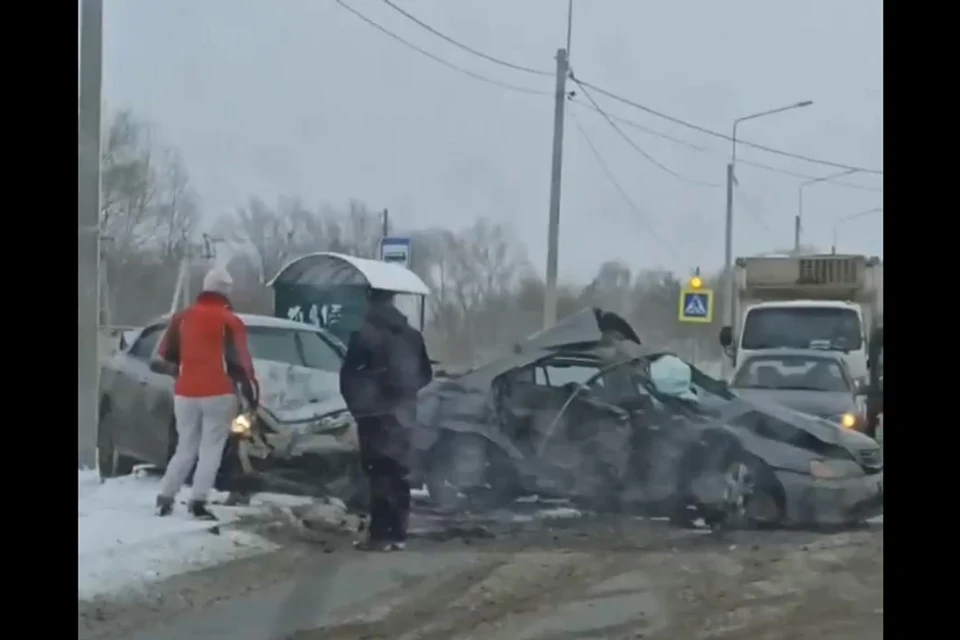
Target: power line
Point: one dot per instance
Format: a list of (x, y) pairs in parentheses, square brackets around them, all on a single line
[(654, 132), (702, 149), (438, 59), (724, 136), (616, 184), (637, 147), (460, 45), (748, 207)]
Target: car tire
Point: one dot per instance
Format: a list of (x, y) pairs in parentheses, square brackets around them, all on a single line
[(759, 504), (110, 463), (440, 477), (444, 480)]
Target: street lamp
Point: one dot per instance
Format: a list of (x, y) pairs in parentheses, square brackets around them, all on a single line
[(852, 216), (799, 218), (728, 234)]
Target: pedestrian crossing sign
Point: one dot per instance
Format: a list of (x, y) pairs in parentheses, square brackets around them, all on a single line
[(696, 305)]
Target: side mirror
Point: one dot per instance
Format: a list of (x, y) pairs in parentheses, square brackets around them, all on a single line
[(726, 337)]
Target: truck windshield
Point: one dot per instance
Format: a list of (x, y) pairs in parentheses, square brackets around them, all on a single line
[(801, 328)]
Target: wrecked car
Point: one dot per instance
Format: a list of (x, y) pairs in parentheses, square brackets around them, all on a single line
[(300, 439), (584, 411)]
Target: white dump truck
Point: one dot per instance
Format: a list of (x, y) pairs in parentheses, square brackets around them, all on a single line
[(832, 302)]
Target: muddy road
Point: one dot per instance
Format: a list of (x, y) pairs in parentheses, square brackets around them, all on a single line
[(524, 578)]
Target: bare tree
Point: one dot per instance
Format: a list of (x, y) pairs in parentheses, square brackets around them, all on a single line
[(149, 213)]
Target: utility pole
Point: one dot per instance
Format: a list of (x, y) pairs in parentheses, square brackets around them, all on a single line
[(728, 280), (88, 231), (798, 220), (386, 223), (556, 174)]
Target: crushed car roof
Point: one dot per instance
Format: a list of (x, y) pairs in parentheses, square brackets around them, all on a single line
[(590, 331)]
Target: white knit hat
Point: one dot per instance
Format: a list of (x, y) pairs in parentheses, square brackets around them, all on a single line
[(217, 280)]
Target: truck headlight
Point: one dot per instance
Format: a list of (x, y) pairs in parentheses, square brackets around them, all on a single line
[(242, 426)]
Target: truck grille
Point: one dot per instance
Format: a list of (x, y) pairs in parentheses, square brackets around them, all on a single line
[(871, 459)]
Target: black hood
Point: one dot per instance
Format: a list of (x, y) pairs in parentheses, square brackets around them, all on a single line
[(384, 315)]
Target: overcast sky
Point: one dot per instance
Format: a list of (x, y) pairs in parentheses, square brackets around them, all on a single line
[(300, 97)]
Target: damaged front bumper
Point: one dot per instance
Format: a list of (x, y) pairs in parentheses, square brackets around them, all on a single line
[(831, 502)]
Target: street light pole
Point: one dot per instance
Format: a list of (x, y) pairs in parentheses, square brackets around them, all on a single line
[(728, 228), (852, 216), (798, 220), (88, 230)]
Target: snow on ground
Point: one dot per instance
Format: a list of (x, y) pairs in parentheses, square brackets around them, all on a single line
[(122, 545)]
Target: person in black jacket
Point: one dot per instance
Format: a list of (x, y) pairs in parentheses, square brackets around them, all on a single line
[(386, 364)]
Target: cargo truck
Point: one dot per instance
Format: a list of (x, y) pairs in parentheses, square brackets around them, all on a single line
[(832, 302)]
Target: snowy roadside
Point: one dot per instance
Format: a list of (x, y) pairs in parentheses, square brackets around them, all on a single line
[(123, 548)]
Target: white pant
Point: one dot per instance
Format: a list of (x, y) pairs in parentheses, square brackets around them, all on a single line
[(203, 426)]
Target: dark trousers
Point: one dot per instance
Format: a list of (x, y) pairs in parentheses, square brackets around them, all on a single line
[(383, 457)]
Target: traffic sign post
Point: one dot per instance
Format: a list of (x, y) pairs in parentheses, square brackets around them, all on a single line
[(696, 305), (395, 250)]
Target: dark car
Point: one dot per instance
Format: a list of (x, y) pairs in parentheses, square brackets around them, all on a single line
[(584, 411), (301, 424), (808, 380)]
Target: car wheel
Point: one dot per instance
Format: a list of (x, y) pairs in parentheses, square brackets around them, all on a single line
[(457, 456), (441, 476), (110, 463), (751, 499)]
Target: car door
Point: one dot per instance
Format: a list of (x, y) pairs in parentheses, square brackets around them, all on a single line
[(142, 435)]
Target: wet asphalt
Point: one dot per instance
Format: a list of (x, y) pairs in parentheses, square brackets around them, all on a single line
[(339, 595)]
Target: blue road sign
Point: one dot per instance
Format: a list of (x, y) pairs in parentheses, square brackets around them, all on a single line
[(396, 250), (696, 305)]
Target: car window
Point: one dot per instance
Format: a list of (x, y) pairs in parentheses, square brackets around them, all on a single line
[(798, 372), (291, 346), (556, 375), (317, 353), (146, 344), (274, 344)]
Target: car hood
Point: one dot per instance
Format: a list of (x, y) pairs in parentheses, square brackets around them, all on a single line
[(820, 428), (818, 403), (294, 395)]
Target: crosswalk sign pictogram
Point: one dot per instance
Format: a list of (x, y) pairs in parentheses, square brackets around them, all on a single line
[(696, 305)]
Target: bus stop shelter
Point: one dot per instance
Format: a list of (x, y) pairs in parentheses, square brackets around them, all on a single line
[(330, 290)]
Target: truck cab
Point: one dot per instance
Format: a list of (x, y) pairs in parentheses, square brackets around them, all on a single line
[(830, 302)]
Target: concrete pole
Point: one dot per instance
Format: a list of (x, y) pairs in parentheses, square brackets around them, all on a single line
[(797, 222), (728, 280), (556, 174), (88, 230)]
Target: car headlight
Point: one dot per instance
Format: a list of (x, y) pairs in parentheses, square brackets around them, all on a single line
[(848, 420), (832, 469), (242, 426)]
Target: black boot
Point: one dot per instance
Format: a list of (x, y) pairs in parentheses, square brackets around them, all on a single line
[(164, 506), (198, 509)]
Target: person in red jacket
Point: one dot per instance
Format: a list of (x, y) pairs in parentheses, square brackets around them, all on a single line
[(209, 344)]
